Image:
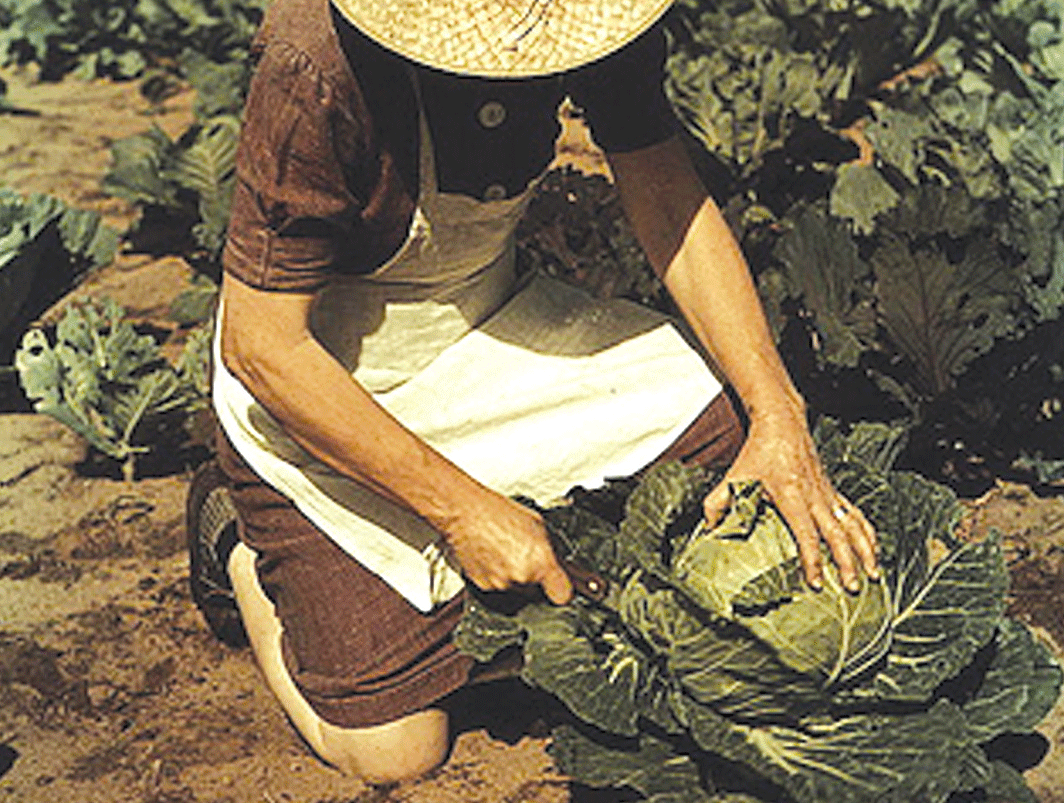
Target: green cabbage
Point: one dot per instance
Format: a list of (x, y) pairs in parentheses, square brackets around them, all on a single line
[(712, 672)]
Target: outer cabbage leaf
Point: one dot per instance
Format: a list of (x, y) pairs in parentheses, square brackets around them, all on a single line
[(945, 615), (1007, 785), (668, 492), (598, 673), (941, 614), (1019, 688), (886, 759), (484, 633), (651, 766)]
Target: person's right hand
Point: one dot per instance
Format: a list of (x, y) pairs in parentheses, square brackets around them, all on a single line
[(501, 544)]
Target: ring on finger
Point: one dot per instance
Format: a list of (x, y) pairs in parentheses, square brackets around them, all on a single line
[(840, 511)]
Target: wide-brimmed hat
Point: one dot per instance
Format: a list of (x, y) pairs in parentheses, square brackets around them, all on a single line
[(503, 38)]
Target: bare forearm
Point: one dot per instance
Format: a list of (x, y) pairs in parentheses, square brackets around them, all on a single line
[(322, 408), (711, 283), (690, 246)]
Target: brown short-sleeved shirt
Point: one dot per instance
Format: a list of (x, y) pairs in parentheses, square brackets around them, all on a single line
[(328, 159)]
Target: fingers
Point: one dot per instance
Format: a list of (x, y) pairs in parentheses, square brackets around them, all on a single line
[(510, 550), (862, 536), (556, 585), (842, 526), (807, 537), (834, 530), (850, 538), (715, 505)]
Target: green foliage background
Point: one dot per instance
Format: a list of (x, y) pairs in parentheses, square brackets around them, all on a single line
[(893, 169)]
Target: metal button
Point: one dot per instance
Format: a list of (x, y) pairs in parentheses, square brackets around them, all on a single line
[(494, 192), (492, 114)]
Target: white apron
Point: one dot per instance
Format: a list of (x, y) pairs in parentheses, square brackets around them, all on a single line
[(530, 392)]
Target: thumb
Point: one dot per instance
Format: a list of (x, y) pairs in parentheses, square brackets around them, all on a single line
[(717, 502), (556, 585)]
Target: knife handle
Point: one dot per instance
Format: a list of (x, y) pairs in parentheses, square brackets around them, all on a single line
[(586, 582)]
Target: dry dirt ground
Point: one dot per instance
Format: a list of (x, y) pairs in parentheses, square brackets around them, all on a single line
[(111, 688)]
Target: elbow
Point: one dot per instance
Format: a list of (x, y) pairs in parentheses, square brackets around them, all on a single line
[(263, 337), (251, 360)]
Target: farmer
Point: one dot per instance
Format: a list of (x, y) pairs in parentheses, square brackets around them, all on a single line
[(385, 383)]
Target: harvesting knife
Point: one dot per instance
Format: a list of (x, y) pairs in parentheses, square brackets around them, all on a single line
[(586, 581)]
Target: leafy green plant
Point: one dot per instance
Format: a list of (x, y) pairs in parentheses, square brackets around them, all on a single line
[(121, 39), (710, 672), (191, 179), (110, 384), (45, 246), (933, 247), (739, 83)]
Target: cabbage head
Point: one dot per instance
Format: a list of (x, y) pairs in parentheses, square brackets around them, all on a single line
[(711, 672)]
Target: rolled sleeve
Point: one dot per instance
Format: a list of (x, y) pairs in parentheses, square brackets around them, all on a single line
[(292, 202)]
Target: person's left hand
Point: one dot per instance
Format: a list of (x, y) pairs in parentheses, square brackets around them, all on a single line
[(779, 452)]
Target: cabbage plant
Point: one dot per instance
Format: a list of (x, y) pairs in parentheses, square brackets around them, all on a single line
[(711, 672)]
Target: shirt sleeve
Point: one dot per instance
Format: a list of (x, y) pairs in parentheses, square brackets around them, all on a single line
[(291, 201), (623, 95)]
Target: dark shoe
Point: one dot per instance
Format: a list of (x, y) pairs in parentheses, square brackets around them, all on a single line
[(213, 531)]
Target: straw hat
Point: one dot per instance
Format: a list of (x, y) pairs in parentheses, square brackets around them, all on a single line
[(503, 38)]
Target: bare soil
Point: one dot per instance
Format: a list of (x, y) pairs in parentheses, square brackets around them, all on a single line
[(111, 687)]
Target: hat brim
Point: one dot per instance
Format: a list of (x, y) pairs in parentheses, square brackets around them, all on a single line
[(503, 38)]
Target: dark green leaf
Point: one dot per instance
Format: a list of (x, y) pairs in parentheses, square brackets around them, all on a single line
[(650, 766), (208, 167), (1019, 688), (484, 633), (861, 194), (941, 619), (600, 676), (196, 304), (900, 138), (824, 270), (138, 167), (668, 491), (939, 313), (865, 759), (1007, 785)]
